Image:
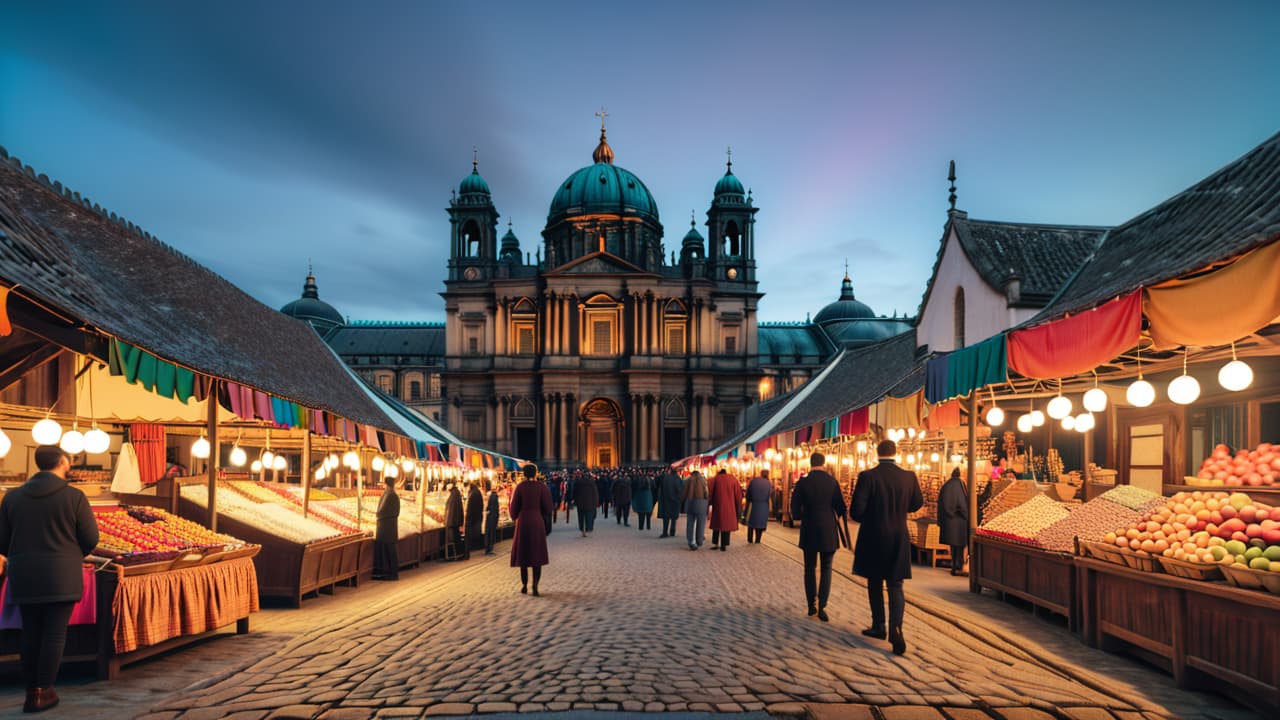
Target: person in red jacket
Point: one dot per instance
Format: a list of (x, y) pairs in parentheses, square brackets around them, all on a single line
[(725, 494)]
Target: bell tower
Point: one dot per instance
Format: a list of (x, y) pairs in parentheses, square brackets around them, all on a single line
[(473, 220), (731, 221)]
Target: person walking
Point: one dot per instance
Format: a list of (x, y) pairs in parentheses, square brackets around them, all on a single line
[(622, 500), (492, 512), (586, 497), (726, 503), (953, 520), (453, 521), (475, 519), (46, 529), (669, 488), (530, 507), (642, 500), (605, 493), (556, 486), (694, 497), (386, 561), (883, 497), (818, 503), (759, 492)]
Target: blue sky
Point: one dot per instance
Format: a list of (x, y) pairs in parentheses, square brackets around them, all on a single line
[(255, 136)]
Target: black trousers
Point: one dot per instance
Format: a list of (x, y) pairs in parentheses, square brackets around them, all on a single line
[(720, 537), (475, 537), (669, 526), (44, 637), (644, 521), (957, 557), (453, 536), (817, 584), (622, 513), (897, 602), (586, 519), (755, 533), (491, 536), (386, 562)]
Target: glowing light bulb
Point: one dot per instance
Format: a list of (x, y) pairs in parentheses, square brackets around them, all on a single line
[(1235, 376), (378, 463), (1095, 400), (200, 448), (995, 416), (934, 457), (1140, 393), (5, 444), (1059, 407), (73, 442), (46, 432), (1037, 418), (1069, 423), (1184, 390), (268, 458), (256, 466), (280, 463), (1084, 422), (238, 456), (96, 441), (1024, 423)]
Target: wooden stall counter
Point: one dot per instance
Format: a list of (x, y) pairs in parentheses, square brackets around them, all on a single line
[(1045, 579)]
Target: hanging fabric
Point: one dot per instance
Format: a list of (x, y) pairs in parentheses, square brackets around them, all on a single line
[(977, 366), (1079, 343), (148, 441), (935, 384), (1219, 307), (127, 478), (945, 415), (854, 422), (5, 326)]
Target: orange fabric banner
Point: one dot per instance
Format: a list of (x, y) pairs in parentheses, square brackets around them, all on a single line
[(1079, 343), (5, 326), (945, 415), (1219, 307)]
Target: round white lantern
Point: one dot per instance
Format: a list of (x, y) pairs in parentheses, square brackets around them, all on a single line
[(1184, 390), (1069, 422), (46, 432), (96, 441), (1024, 423), (280, 463), (378, 463), (995, 416), (238, 456), (268, 459), (1235, 376), (200, 448), (1140, 393), (5, 444), (73, 442), (1084, 422), (1037, 418), (256, 466), (1095, 400), (1059, 407), (407, 466)]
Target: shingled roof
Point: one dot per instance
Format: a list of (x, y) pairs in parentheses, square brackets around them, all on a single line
[(87, 264), (1229, 213), (382, 339), (793, 343), (1042, 257)]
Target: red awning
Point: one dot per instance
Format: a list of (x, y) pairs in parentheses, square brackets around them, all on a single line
[(1079, 343)]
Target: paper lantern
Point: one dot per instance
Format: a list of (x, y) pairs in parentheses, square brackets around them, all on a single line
[(1235, 376), (995, 416), (1037, 418), (96, 441), (256, 466), (1095, 400), (334, 460), (1084, 422), (1024, 423), (1059, 407), (378, 463), (5, 444), (319, 474), (46, 432), (392, 470), (934, 457), (1140, 393), (268, 459), (73, 442), (351, 459), (200, 448), (1069, 423), (1184, 390), (407, 466), (238, 456), (280, 463)]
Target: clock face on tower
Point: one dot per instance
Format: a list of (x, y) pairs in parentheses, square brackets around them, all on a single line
[(471, 273), (733, 273)]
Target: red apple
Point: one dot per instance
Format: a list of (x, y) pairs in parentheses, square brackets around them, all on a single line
[(1239, 535), (1253, 531), (1248, 513), (1227, 511), (1272, 536)]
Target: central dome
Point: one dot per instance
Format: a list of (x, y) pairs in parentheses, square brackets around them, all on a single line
[(602, 188)]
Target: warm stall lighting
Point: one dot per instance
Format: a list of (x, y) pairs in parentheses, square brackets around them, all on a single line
[(96, 441), (1184, 390), (72, 442), (995, 416), (1024, 423), (1140, 393), (5, 444), (200, 448), (934, 457), (319, 474), (1069, 422), (256, 466), (238, 456), (392, 470), (280, 463), (1059, 408), (1037, 418), (378, 463), (1235, 376), (862, 446), (334, 460), (1095, 400), (351, 460), (268, 459), (46, 432), (1084, 422), (407, 466)]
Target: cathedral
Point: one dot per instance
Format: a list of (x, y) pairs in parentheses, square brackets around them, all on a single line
[(603, 348)]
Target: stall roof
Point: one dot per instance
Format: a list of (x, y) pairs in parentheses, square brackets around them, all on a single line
[(88, 264), (382, 339), (1232, 211)]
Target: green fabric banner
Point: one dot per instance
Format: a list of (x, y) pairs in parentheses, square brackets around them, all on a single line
[(142, 368), (977, 366)]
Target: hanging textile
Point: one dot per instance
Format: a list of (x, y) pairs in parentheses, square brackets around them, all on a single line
[(126, 478), (854, 422), (976, 366), (894, 412), (1079, 343), (802, 435), (831, 428), (1220, 307), (149, 443), (935, 384), (142, 368), (945, 415), (5, 326)]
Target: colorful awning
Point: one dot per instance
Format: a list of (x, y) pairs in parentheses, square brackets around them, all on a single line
[(967, 369), (1220, 307), (1079, 343)]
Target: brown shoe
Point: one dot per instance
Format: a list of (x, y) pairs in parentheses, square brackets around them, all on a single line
[(39, 700)]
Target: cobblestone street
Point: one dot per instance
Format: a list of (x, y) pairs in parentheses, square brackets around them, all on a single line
[(629, 622)]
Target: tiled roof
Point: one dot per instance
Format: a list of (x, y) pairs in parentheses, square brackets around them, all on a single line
[(787, 341), (1042, 257), (90, 265), (388, 339), (859, 378), (1232, 211)]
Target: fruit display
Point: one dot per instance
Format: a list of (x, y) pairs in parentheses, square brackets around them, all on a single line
[(270, 517), (1013, 495), (134, 535), (1134, 498), (1094, 519), (1257, 467), (1025, 522)]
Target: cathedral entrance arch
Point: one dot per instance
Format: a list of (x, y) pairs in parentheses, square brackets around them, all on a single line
[(602, 424)]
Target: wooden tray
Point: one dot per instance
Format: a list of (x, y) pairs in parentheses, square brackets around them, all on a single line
[(144, 568), (1190, 570), (233, 554), (1250, 579), (1144, 562), (1102, 551)]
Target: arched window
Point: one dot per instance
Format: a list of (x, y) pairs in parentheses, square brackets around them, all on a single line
[(959, 319), (675, 321), (524, 326), (732, 239), (415, 389), (471, 239)]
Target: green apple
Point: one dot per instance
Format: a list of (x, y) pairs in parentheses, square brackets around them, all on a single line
[(1260, 563)]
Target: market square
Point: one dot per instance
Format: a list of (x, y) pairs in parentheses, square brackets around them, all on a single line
[(946, 404)]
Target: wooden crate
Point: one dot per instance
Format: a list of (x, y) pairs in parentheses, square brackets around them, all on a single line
[(1045, 579)]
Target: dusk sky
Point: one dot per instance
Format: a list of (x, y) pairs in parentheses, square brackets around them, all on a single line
[(256, 135)]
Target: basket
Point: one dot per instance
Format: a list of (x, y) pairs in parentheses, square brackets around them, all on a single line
[(1190, 570), (1250, 579), (1139, 560), (1102, 551)]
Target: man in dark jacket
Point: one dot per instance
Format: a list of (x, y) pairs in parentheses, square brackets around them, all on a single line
[(586, 497), (953, 520), (669, 487), (622, 500), (881, 500), (491, 521), (475, 520), (604, 493), (386, 562), (46, 529), (818, 503), (453, 521)]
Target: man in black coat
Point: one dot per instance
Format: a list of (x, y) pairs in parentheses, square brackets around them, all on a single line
[(604, 493), (453, 521), (46, 529), (621, 491), (953, 520), (475, 520), (491, 512), (881, 500), (586, 497), (818, 503), (669, 487), (386, 562)]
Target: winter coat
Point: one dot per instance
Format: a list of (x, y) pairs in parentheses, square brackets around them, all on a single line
[(953, 513), (725, 495), (585, 494), (530, 504), (642, 495), (816, 501), (388, 517), (881, 500), (492, 512), (758, 494), (475, 509), (453, 509), (621, 492), (669, 487), (46, 529)]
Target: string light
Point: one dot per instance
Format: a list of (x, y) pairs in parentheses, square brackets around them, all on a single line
[(1059, 407), (1140, 392), (1184, 389), (1235, 375), (1095, 400)]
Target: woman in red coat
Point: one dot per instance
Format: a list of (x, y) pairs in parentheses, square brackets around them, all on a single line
[(530, 508), (726, 503)]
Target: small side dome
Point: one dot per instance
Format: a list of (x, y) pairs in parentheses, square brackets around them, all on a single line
[(310, 308), (510, 250), (845, 308), (692, 246), (730, 187)]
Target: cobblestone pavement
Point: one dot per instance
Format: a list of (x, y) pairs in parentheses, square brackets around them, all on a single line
[(629, 622)]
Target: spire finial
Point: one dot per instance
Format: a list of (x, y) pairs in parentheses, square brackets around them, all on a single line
[(728, 152), (602, 115), (951, 175), (693, 222), (475, 159), (603, 153), (846, 268)]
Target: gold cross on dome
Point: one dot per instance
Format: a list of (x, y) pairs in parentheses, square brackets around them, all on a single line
[(602, 115)]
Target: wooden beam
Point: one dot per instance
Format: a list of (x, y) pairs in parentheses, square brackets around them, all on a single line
[(211, 471)]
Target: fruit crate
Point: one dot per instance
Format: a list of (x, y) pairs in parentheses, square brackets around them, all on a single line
[(1102, 551), (1250, 579), (1190, 570), (1139, 560)]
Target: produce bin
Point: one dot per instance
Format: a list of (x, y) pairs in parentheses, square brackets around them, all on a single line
[(1045, 579)]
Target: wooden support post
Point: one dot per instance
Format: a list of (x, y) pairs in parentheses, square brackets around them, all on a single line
[(306, 472), (211, 469), (973, 461)]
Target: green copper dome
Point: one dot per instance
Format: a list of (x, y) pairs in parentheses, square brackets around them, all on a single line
[(473, 184), (602, 188), (730, 185)]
